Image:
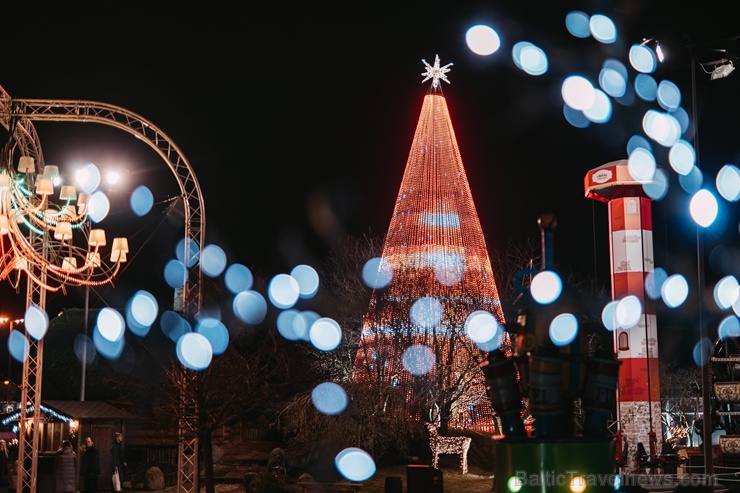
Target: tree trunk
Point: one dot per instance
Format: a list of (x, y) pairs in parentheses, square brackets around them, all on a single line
[(444, 416)]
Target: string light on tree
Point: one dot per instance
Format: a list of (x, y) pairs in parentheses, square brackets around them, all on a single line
[(433, 275)]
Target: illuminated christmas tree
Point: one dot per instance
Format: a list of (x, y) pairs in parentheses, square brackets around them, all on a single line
[(415, 341)]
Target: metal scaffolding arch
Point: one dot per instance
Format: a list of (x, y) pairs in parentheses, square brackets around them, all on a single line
[(17, 115)]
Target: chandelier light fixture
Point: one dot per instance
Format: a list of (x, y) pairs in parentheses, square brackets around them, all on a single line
[(51, 240)]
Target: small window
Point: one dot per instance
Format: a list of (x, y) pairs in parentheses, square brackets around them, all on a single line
[(623, 341)]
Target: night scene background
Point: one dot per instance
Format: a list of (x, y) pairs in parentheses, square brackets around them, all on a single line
[(298, 120)]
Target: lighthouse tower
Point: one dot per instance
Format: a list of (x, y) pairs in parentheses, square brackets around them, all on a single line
[(631, 247)]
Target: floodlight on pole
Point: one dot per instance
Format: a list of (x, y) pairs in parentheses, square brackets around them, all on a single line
[(722, 69)]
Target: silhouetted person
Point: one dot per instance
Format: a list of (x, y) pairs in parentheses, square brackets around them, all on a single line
[(624, 460), (13, 476), (642, 456), (699, 429), (117, 456), (90, 467), (3, 463), (65, 469)]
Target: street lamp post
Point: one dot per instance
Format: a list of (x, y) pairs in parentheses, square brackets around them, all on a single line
[(11, 322), (721, 68), (706, 380), (84, 349)]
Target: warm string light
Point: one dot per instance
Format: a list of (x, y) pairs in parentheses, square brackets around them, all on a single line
[(436, 249)]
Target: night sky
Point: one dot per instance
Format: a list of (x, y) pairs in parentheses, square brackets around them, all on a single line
[(278, 106)]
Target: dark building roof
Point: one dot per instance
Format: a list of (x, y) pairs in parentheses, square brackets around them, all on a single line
[(88, 410)]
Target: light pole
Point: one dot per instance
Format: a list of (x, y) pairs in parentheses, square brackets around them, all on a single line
[(11, 322), (84, 349), (706, 380), (721, 68), (112, 179)]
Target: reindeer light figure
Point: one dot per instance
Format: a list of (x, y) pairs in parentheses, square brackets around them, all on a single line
[(448, 445)]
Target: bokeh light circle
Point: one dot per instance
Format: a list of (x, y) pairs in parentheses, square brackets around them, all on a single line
[(563, 329), (729, 327), (85, 349), (628, 312), (603, 29), (703, 208), (702, 351), (238, 278), (107, 348), (355, 464), (250, 307), (173, 325), (578, 92), (481, 326), (546, 287), (110, 324), (726, 292), (36, 321), (482, 40), (98, 206), (329, 398), (87, 178), (194, 351), (308, 280), (426, 312), (325, 334), (193, 252), (141, 201), (213, 260), (215, 331), (283, 291), (377, 273), (418, 359), (728, 182), (144, 308), (577, 23), (175, 274), (18, 346), (674, 291)]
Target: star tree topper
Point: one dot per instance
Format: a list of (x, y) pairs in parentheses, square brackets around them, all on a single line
[(435, 72)]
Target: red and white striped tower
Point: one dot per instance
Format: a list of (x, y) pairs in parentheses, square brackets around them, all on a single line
[(631, 246)]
